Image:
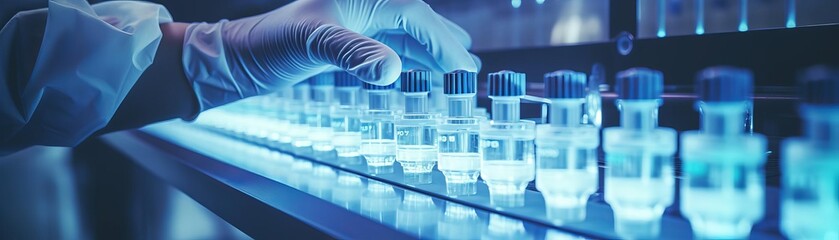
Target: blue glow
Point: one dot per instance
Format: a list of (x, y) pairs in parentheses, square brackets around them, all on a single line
[(744, 16), (661, 19), (516, 3), (791, 14), (700, 17), (540, 1)]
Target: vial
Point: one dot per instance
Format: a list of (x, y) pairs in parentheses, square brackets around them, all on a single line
[(276, 111), (506, 142), (378, 141), (346, 116), (810, 179), (296, 115), (416, 128), (417, 214), (458, 157), (379, 202), (317, 112), (459, 222), (722, 186), (639, 156), (566, 150)]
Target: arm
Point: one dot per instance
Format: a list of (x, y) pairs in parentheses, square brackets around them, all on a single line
[(162, 92)]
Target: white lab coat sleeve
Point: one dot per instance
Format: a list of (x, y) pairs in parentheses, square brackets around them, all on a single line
[(65, 69)]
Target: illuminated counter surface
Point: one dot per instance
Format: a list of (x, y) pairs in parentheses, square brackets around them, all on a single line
[(270, 191)]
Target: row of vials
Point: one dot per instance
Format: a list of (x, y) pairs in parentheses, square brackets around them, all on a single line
[(722, 187)]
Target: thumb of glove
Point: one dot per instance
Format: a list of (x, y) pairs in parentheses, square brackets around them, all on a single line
[(368, 59)]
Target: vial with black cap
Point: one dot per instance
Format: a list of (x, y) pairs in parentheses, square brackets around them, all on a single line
[(458, 158), (566, 149), (378, 141), (639, 181), (507, 142), (810, 164), (722, 186), (416, 128)]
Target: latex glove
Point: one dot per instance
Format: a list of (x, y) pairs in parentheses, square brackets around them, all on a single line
[(230, 60)]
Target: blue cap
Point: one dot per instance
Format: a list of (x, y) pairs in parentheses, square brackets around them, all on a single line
[(415, 81), (322, 80), (724, 84), (459, 82), (345, 79), (506, 84), (369, 86), (639, 84), (565, 84), (819, 85)]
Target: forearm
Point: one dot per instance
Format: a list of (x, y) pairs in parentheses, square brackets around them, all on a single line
[(162, 92)]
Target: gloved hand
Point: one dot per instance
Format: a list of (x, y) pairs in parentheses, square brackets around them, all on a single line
[(230, 60)]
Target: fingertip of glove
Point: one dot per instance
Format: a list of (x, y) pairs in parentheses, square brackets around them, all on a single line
[(382, 72)]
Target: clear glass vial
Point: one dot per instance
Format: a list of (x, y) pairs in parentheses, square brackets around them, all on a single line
[(346, 116), (506, 142), (378, 141), (457, 135), (810, 184), (317, 112), (296, 114), (416, 128), (722, 186), (566, 150), (639, 181)]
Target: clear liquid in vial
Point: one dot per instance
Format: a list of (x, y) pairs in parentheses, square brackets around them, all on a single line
[(320, 131), (508, 161), (346, 127), (416, 146), (378, 142), (458, 158)]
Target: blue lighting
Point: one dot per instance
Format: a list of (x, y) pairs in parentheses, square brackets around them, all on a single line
[(744, 16), (540, 1), (791, 14), (661, 18), (700, 17), (516, 3)]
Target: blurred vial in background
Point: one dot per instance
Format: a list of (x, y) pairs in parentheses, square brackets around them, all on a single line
[(566, 150), (296, 115), (639, 156), (507, 142), (810, 185), (317, 112), (458, 158), (285, 97), (722, 189), (378, 141), (346, 115), (416, 128)]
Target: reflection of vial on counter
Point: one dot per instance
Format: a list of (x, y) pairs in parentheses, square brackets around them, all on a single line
[(299, 128), (378, 143), (810, 197), (416, 128), (507, 150), (379, 202), (458, 157), (317, 112), (722, 185), (346, 121), (639, 156), (566, 150), (347, 191), (501, 227), (417, 214), (459, 222), (321, 181)]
